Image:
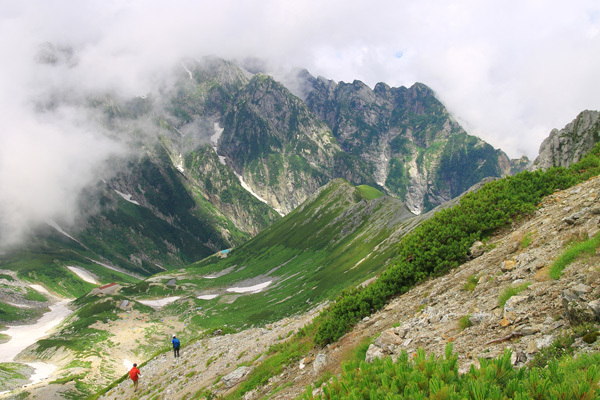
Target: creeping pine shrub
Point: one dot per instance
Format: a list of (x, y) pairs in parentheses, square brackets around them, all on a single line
[(464, 322), (442, 242), (423, 377)]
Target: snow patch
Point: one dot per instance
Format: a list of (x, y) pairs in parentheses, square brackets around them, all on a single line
[(127, 197), (41, 372), (187, 70), (58, 228), (115, 269), (128, 364), (84, 275), (245, 186), (159, 302), (254, 289), (207, 296), (39, 288), (23, 336), (179, 164), (18, 305)]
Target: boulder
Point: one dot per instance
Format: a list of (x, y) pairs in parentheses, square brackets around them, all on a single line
[(594, 306), (507, 265), (476, 250), (512, 303), (576, 310), (320, 362), (388, 340), (235, 377), (478, 318), (374, 352)]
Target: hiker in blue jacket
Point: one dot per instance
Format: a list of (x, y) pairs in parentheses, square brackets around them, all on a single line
[(176, 344)]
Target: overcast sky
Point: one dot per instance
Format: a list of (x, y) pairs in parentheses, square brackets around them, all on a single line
[(509, 71)]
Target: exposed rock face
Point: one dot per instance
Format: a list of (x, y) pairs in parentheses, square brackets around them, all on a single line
[(413, 147), (568, 145)]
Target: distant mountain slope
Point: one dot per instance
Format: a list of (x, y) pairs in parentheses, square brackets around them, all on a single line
[(216, 154)]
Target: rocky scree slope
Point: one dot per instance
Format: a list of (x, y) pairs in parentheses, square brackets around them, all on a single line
[(429, 315)]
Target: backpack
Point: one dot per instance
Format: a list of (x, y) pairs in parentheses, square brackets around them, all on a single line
[(175, 343)]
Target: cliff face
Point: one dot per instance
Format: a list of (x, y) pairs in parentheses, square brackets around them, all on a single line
[(413, 147), (568, 145)]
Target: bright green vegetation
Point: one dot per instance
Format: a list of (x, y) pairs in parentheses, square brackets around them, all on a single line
[(572, 253), (510, 292), (442, 242), (7, 277), (4, 338), (13, 375), (10, 313), (46, 264), (464, 322), (438, 378), (368, 192), (34, 295), (303, 255), (526, 241), (471, 283), (78, 336)]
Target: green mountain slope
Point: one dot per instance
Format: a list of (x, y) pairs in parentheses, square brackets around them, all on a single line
[(338, 231)]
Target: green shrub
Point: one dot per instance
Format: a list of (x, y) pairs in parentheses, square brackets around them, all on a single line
[(471, 283), (464, 322), (431, 377)]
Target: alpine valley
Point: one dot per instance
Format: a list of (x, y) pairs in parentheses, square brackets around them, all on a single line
[(249, 209)]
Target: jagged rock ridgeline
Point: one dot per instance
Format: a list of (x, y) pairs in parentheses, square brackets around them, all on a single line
[(568, 145), (414, 148)]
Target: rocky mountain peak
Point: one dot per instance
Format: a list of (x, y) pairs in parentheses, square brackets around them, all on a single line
[(568, 145)]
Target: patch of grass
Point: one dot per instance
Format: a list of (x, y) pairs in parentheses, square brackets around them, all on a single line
[(510, 292), (526, 241), (210, 360), (464, 322), (7, 277), (369, 192), (471, 283), (34, 295), (10, 313), (67, 379), (572, 253), (4, 338)]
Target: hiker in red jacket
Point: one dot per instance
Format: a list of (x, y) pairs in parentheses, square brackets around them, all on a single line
[(134, 373)]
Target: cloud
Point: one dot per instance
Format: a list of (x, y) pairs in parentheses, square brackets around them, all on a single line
[(508, 71)]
